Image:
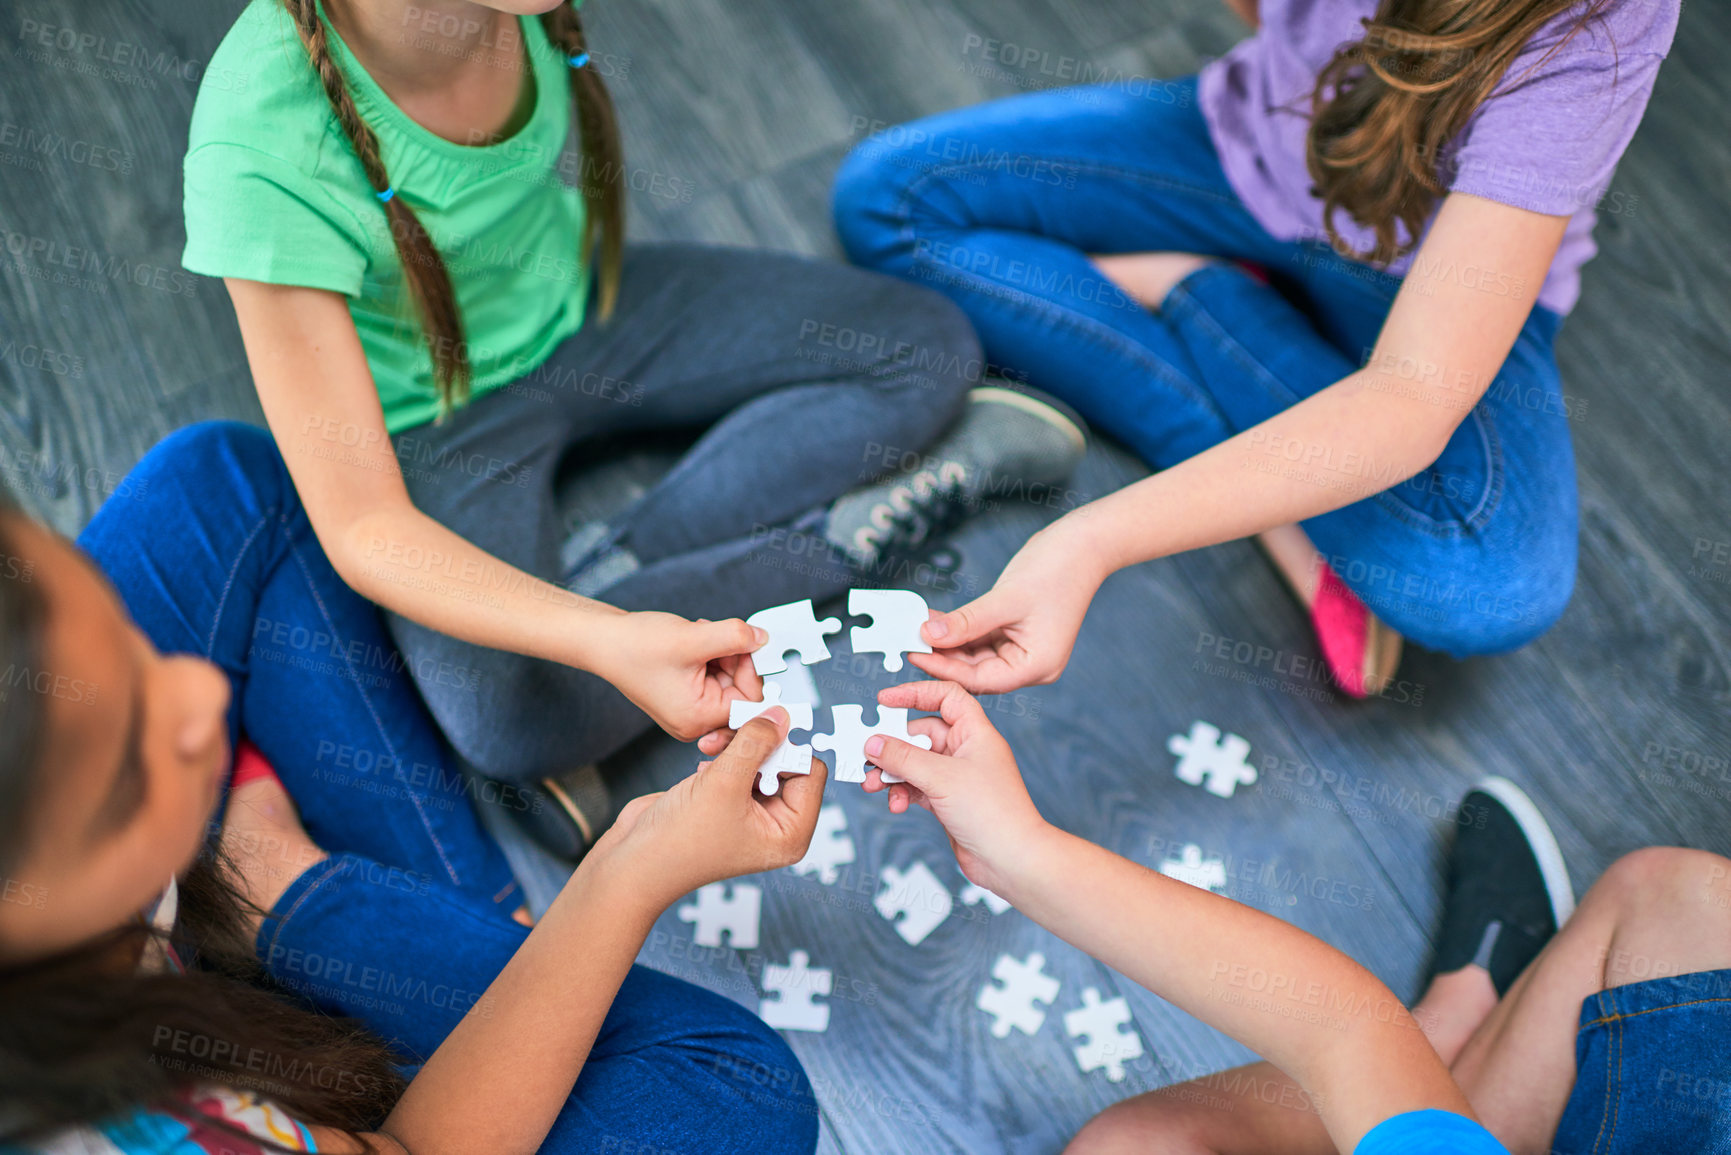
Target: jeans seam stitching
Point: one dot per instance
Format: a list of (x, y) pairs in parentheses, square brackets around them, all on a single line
[(331, 866), (384, 735), (228, 583)]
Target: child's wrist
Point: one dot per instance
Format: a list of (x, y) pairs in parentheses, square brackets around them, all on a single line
[(1013, 858), (597, 635)]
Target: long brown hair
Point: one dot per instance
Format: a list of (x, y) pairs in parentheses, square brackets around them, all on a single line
[(1387, 105), (424, 270), (84, 1036)]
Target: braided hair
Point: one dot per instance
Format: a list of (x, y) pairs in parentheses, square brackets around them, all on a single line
[(424, 271)]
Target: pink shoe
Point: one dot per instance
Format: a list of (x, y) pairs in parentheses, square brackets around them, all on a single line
[(1362, 653)]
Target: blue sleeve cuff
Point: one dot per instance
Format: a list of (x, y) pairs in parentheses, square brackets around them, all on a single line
[(1429, 1133)]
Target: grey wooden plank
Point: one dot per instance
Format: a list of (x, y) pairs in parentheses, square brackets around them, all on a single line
[(1616, 720)]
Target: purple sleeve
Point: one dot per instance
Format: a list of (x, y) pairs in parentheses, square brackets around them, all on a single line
[(1549, 139)]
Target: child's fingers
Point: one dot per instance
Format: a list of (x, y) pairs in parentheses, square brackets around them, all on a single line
[(949, 699), (714, 742), (714, 640), (801, 796), (938, 730), (961, 626), (752, 743), (905, 760)]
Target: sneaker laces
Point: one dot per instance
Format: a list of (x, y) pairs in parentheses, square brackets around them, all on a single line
[(914, 509)]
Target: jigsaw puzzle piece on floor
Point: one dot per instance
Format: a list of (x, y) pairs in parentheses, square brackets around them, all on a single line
[(1206, 753), (1105, 1046), (830, 849), (897, 616), (1023, 983), (916, 894), (1190, 867), (722, 907), (793, 627), (795, 987), (973, 894), (787, 758), (849, 738)]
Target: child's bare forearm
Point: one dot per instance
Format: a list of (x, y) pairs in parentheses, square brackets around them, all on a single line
[(416, 567), (499, 1080), (1243, 972)]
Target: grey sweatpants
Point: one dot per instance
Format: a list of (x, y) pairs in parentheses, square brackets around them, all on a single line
[(800, 373)]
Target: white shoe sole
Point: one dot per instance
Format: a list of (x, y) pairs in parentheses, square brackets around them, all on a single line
[(1550, 856), (992, 394)]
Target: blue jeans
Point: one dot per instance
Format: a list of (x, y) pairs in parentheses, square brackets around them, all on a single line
[(408, 921), (997, 205), (1652, 1070)]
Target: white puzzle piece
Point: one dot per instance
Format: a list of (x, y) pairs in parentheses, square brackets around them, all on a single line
[(1105, 1046), (1022, 984), (1190, 867), (897, 616), (795, 986), (849, 738), (830, 848), (916, 894), (787, 758), (791, 627), (798, 687), (1206, 753), (974, 894), (721, 907)]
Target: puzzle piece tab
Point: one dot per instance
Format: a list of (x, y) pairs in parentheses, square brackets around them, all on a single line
[(791, 627), (1206, 753), (1106, 1046), (787, 758), (1190, 867), (897, 616), (722, 907), (850, 734), (916, 894), (1022, 984), (974, 894), (795, 987), (830, 848)]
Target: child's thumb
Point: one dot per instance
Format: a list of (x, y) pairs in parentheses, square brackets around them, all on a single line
[(961, 626)]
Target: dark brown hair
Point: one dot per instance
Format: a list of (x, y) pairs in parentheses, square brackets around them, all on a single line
[(1387, 105), (82, 1034), (424, 271)]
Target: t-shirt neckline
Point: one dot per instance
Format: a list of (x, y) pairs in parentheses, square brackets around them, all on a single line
[(369, 95)]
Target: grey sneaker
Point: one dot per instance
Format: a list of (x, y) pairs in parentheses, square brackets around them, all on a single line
[(1009, 444)]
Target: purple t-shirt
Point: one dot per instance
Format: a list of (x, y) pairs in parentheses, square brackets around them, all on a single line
[(1547, 140)]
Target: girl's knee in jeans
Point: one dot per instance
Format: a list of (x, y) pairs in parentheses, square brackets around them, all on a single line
[(767, 1092), (209, 449)]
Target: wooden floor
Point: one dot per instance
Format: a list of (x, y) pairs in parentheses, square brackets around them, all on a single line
[(736, 113)]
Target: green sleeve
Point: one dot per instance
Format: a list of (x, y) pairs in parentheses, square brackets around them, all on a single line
[(253, 216)]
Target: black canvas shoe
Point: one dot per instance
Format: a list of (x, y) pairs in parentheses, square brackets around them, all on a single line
[(1508, 889), (567, 813)]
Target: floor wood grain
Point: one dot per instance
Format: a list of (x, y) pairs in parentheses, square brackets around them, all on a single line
[(736, 113)]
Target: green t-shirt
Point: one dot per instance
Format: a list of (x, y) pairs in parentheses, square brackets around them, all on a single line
[(275, 193)]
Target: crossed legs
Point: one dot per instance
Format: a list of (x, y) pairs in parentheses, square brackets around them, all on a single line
[(1656, 913)]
